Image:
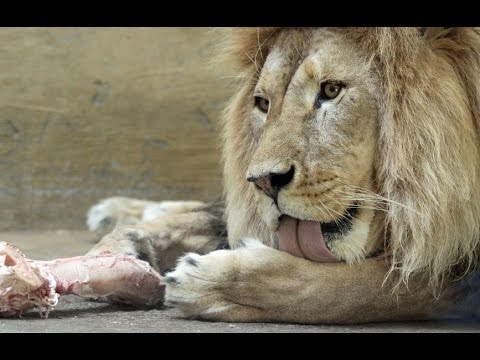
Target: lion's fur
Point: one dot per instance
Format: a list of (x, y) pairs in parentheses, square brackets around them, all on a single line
[(428, 154)]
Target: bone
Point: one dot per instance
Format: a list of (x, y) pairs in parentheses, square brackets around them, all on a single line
[(27, 284)]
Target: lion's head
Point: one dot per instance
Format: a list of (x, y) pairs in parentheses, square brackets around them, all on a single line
[(341, 143)]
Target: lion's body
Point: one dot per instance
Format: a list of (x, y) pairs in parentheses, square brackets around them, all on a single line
[(393, 151)]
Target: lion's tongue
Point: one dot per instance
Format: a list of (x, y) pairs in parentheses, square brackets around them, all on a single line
[(304, 239)]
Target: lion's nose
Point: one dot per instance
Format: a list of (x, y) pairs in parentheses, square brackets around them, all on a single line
[(271, 183)]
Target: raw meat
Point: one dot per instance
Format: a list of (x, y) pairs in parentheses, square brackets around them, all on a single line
[(27, 284)]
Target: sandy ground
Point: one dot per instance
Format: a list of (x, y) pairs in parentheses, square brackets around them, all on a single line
[(77, 315)]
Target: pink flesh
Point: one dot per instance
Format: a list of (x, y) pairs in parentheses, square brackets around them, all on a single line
[(22, 286), (304, 239), (26, 284), (115, 278)]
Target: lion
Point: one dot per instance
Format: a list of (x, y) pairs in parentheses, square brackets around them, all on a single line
[(351, 183)]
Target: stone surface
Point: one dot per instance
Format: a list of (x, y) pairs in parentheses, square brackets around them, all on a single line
[(87, 113), (77, 315)]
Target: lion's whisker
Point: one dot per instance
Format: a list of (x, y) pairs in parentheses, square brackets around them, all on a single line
[(342, 216), (352, 204), (325, 208), (377, 197), (253, 61)]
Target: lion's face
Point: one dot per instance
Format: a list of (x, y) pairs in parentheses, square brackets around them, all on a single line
[(314, 119), (356, 140)]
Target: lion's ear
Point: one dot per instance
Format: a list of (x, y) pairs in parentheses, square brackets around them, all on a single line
[(246, 48)]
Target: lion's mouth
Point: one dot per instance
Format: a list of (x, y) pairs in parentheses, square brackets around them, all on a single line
[(309, 239)]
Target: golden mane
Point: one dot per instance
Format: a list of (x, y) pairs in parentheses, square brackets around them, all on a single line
[(428, 157)]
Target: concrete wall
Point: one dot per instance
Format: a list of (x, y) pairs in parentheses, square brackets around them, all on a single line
[(87, 113)]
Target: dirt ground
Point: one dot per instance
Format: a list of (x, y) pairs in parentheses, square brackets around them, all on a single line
[(77, 315)]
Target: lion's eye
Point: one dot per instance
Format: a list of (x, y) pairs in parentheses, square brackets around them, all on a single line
[(330, 90), (262, 104)]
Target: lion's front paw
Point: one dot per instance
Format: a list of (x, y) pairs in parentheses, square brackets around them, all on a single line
[(211, 286), (197, 283)]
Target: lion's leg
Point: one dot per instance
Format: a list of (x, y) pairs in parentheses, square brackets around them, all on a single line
[(258, 283), (162, 240), (111, 212)]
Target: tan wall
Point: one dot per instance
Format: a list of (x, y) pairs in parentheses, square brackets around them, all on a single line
[(87, 113)]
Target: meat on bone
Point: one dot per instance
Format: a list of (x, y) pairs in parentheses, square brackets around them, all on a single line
[(26, 284)]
